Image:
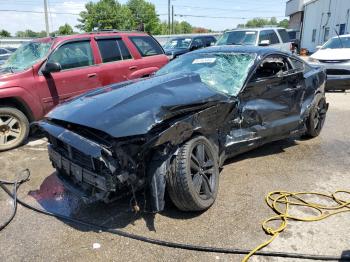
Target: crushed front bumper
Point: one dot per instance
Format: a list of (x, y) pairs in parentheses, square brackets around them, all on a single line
[(84, 167)]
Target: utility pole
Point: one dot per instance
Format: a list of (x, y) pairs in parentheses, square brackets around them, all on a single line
[(46, 19), (172, 19), (169, 28)]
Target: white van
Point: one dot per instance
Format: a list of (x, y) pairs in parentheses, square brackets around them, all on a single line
[(273, 37)]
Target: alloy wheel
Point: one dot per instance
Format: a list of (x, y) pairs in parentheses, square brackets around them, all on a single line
[(10, 129), (202, 171), (320, 115)]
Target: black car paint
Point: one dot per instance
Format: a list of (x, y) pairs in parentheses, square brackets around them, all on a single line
[(127, 126)]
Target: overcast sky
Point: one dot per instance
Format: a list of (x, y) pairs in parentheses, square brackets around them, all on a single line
[(218, 14)]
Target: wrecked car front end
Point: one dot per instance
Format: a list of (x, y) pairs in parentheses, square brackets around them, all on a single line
[(105, 165)]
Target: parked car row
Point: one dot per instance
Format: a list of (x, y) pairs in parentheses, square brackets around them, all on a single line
[(181, 45), (274, 37)]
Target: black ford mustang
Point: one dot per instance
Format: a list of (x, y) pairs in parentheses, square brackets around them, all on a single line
[(174, 130)]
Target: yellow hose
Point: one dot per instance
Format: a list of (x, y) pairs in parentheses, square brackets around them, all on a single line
[(281, 201)]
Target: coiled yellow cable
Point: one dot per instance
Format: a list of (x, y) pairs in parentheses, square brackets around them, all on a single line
[(281, 201)]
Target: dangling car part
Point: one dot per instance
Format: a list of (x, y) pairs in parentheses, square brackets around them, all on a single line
[(173, 131)]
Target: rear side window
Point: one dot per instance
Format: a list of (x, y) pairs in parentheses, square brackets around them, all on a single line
[(299, 65), (269, 35), (124, 50), (284, 35), (2, 51), (146, 45), (113, 50)]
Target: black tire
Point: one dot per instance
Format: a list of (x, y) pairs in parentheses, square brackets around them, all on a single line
[(14, 128), (193, 182), (316, 119)]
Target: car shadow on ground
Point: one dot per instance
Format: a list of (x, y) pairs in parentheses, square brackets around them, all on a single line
[(53, 197)]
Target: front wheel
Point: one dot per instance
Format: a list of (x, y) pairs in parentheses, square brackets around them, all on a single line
[(194, 180), (316, 118), (14, 128)]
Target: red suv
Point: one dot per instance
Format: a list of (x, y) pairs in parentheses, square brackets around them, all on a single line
[(44, 72)]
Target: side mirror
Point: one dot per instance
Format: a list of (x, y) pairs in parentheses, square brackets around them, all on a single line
[(264, 43), (51, 68), (318, 47)]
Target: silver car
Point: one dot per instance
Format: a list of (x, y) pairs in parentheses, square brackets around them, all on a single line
[(274, 37), (334, 55)]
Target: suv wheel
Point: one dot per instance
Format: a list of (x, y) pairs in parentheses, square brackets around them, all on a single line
[(14, 128), (194, 180), (316, 118)]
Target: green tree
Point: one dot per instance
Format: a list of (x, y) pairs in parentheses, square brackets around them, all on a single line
[(26, 33), (145, 13), (163, 28), (5, 33), (261, 22), (258, 22), (106, 14), (182, 27), (284, 23), (30, 33), (41, 34), (65, 29)]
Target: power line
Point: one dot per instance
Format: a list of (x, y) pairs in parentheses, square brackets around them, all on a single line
[(223, 9), (35, 12), (224, 17)]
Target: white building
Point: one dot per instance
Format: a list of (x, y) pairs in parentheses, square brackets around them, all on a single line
[(318, 20)]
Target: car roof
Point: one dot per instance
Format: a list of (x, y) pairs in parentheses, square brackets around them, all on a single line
[(255, 29), (190, 37), (61, 38), (240, 49)]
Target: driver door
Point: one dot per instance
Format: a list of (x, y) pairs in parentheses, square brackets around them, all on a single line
[(270, 104), (79, 73)]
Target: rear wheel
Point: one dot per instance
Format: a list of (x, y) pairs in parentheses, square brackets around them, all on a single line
[(194, 180), (14, 128), (317, 118)]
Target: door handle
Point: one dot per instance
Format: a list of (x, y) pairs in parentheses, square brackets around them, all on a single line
[(132, 67), (91, 75)]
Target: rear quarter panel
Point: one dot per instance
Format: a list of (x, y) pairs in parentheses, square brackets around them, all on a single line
[(315, 82)]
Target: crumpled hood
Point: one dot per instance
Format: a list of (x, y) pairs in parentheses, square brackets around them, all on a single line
[(332, 54), (176, 51), (133, 109)]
